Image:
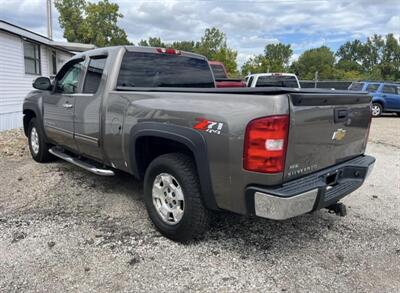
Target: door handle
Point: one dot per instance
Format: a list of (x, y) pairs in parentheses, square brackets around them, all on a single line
[(66, 105), (341, 114)]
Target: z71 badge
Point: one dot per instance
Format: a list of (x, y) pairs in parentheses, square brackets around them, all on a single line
[(209, 126)]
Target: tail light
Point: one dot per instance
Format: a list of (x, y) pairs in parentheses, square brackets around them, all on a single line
[(168, 51), (265, 144)]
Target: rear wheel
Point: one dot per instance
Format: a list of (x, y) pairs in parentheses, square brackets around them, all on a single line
[(376, 109), (173, 198), (38, 147)]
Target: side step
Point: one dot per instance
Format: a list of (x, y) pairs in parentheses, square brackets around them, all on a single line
[(83, 164)]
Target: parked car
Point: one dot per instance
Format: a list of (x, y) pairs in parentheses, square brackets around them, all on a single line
[(154, 113), (273, 80), (221, 76), (385, 96)]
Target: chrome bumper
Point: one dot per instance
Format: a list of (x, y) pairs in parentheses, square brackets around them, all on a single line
[(281, 208), (311, 192)]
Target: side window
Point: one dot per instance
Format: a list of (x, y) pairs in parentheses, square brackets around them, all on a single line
[(93, 74), (372, 87), (389, 89), (68, 80), (250, 81)]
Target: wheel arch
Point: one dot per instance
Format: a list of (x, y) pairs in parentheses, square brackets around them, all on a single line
[(146, 136), (379, 101), (32, 109), (29, 114)]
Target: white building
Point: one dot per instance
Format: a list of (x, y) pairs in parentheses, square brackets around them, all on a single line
[(25, 55)]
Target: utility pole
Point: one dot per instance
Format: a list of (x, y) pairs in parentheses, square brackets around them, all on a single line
[(315, 79), (49, 21)]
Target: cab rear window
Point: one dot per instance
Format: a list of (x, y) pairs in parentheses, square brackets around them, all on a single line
[(218, 71), (164, 70), (277, 81)]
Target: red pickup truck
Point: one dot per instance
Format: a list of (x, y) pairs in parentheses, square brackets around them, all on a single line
[(221, 76)]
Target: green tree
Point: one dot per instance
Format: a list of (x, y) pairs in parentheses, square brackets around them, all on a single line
[(94, 23), (189, 46), (211, 42), (319, 60), (390, 62), (278, 56), (228, 57), (256, 64), (351, 56), (378, 58), (71, 18), (152, 42), (213, 45)]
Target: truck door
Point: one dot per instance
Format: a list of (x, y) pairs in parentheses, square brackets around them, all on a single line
[(391, 95), (58, 106), (87, 110)]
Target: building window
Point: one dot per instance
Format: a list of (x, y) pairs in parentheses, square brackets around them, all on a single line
[(32, 58)]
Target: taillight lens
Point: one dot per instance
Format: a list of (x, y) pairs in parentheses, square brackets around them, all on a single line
[(265, 144)]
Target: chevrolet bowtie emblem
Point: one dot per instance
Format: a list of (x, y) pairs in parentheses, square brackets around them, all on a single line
[(339, 134)]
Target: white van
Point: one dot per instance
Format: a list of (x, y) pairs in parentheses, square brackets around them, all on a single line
[(272, 80)]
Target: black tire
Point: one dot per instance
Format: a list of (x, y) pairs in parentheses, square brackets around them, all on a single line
[(42, 155), (398, 114), (196, 217), (377, 109)]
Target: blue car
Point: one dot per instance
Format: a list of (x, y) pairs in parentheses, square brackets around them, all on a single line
[(385, 96)]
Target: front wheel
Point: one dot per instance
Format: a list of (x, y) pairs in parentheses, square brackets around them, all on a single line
[(38, 147), (173, 197), (376, 110)]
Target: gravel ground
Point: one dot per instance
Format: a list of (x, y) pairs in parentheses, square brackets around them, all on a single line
[(64, 229)]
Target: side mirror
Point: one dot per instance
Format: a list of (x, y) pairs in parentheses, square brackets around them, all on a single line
[(42, 83)]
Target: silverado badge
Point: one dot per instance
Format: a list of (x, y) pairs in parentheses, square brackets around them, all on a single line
[(339, 134)]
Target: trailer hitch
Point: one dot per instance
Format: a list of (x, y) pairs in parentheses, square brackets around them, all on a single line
[(338, 208)]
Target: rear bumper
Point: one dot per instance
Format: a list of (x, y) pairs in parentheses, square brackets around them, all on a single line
[(311, 192)]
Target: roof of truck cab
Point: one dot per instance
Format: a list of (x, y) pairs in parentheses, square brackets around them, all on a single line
[(132, 48), (272, 73)]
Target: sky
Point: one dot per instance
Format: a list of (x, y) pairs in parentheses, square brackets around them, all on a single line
[(249, 25)]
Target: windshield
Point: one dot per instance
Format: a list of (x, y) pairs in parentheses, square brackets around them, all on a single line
[(164, 70), (218, 71), (277, 81)]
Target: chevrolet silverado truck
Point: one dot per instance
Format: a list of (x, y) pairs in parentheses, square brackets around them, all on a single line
[(155, 113), (221, 76)]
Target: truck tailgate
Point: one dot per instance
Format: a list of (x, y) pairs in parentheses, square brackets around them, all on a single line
[(325, 129)]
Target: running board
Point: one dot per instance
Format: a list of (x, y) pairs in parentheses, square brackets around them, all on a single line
[(83, 164)]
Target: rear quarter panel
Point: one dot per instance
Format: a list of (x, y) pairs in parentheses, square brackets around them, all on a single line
[(224, 148)]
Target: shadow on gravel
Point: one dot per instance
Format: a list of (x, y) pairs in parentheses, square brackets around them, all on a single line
[(248, 237)]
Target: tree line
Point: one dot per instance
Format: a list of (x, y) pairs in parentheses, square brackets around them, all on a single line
[(377, 58)]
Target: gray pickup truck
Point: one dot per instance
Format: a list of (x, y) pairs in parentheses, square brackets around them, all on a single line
[(155, 113)]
